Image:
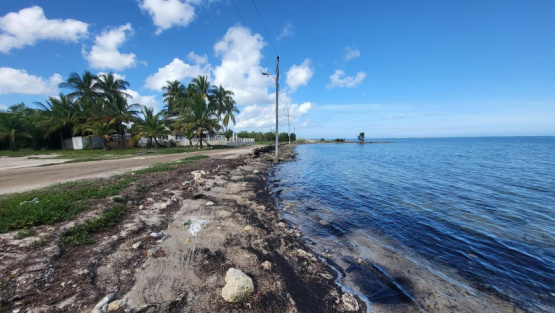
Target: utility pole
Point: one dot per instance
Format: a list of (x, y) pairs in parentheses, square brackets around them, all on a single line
[(277, 95), (295, 132), (288, 126)]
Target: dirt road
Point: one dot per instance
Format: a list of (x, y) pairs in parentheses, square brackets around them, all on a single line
[(28, 178)]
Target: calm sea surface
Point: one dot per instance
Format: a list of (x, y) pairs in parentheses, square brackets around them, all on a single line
[(476, 210)]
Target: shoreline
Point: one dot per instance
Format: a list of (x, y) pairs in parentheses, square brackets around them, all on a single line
[(152, 262)]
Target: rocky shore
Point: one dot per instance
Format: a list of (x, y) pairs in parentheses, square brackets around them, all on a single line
[(205, 237)]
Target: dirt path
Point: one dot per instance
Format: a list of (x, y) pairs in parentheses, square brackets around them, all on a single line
[(28, 178)]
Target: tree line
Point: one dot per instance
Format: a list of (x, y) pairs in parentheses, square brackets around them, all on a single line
[(266, 137), (99, 105)]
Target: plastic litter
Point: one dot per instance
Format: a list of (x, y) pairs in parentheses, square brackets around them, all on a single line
[(195, 225), (35, 201)]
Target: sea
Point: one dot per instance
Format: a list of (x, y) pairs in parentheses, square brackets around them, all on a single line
[(431, 224)]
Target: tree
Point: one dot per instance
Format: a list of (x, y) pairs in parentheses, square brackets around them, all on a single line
[(361, 137), (174, 92), (223, 103), (228, 134), (85, 90), (59, 112), (121, 112), (150, 125), (112, 87), (201, 117), (201, 85), (13, 128), (101, 129)]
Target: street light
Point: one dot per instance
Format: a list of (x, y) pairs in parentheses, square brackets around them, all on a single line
[(277, 94)]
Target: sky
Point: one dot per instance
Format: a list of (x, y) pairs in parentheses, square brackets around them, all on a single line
[(387, 68)]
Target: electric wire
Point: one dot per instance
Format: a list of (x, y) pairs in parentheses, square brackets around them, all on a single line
[(264, 25)]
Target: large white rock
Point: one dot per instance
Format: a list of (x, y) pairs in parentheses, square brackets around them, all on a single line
[(238, 286)]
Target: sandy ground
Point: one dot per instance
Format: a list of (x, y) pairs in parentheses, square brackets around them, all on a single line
[(22, 174), (7, 163), (153, 263)]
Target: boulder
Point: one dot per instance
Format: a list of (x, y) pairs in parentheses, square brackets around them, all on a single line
[(267, 266), (350, 302), (238, 286)]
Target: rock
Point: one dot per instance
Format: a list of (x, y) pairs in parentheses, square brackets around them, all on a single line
[(350, 302), (209, 203), (141, 207), (104, 302), (129, 202), (137, 245), (197, 176), (256, 171), (238, 286), (151, 252), (267, 266), (281, 224), (156, 234), (323, 222), (206, 188), (113, 306), (326, 276), (247, 228), (117, 199), (163, 205), (186, 183)]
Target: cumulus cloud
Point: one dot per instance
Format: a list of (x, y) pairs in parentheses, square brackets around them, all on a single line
[(299, 75), (351, 53), (168, 13), (105, 52), (240, 71), (28, 26), (18, 81), (148, 101), (288, 30), (176, 70), (116, 75), (338, 79), (261, 117), (197, 59)]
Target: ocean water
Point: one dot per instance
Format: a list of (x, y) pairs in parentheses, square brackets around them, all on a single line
[(461, 224)]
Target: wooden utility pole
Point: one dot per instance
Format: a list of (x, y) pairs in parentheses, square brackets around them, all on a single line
[(277, 95), (288, 126)]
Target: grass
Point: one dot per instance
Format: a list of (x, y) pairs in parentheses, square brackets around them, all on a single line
[(43, 241), (163, 167), (96, 155), (81, 234), (56, 204), (24, 234)]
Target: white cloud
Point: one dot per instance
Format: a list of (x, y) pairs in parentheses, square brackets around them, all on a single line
[(18, 81), (351, 53), (148, 101), (197, 59), (168, 13), (3, 107), (263, 117), (240, 69), (105, 54), (337, 79), (299, 75), (288, 30), (30, 25), (176, 70)]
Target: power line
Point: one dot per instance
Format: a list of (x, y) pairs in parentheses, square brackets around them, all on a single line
[(245, 23), (264, 25)]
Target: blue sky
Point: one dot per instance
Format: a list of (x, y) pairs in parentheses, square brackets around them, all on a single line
[(388, 68)]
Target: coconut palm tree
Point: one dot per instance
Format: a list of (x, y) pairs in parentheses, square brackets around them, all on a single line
[(174, 91), (101, 129), (85, 89), (218, 96), (201, 117), (13, 128), (150, 125), (121, 113), (229, 109), (201, 85), (112, 87), (60, 112)]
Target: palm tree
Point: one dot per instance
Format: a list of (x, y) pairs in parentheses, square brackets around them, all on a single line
[(229, 110), (37, 126), (173, 93), (85, 89), (101, 129), (201, 85), (121, 112), (12, 127), (60, 112), (150, 125), (201, 117), (112, 87), (218, 97)]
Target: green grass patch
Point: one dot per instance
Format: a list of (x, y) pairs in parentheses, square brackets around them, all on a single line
[(163, 167), (81, 234), (56, 204), (43, 241), (24, 234)]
